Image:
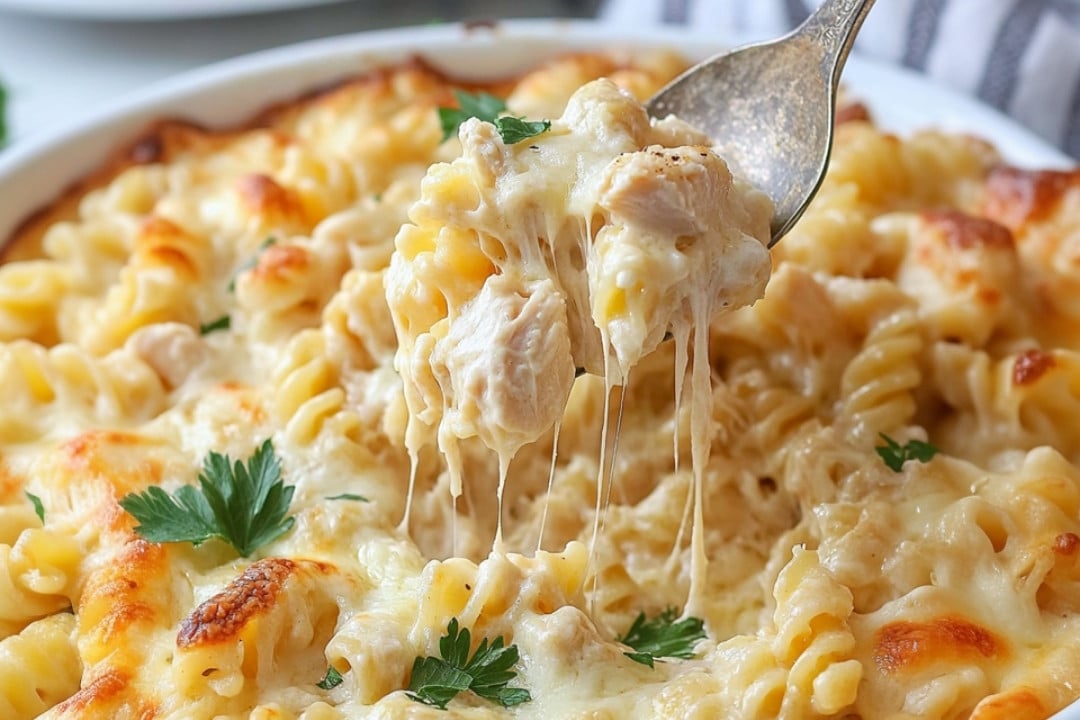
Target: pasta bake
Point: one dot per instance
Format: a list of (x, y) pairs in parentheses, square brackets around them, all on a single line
[(261, 455)]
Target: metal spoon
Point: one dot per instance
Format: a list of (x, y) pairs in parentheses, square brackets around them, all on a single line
[(771, 107)]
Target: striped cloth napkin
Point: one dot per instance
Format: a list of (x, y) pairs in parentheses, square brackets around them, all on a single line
[(1020, 56)]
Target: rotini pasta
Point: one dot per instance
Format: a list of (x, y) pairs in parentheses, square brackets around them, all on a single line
[(39, 667), (858, 495)]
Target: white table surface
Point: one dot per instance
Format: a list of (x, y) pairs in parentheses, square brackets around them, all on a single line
[(55, 68)]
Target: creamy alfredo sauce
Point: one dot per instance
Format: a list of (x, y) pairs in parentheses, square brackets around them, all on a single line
[(582, 248)]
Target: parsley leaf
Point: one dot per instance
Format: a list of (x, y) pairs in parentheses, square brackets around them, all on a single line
[(244, 506), (437, 680), (514, 130), (331, 680), (662, 637), (488, 108), (895, 455), (348, 496), (483, 106), (250, 262), (39, 508), (222, 323)]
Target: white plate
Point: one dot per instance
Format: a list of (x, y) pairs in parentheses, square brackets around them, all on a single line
[(152, 9), (35, 170)]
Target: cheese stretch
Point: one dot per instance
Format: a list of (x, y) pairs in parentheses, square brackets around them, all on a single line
[(585, 248)]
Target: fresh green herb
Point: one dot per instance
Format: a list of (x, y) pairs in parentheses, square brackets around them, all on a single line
[(39, 508), (436, 681), (895, 455), (662, 637), (488, 108), (514, 130), (244, 506), (250, 262), (482, 105), (222, 323), (331, 680), (3, 115), (348, 496)]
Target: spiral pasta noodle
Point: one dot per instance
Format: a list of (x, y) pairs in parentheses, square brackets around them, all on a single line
[(39, 667), (29, 294), (284, 614), (59, 384), (37, 573), (877, 384)]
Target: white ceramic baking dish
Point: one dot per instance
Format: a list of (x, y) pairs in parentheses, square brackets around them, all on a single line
[(37, 169)]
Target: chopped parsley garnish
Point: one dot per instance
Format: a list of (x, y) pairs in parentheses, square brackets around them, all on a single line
[(331, 680), (662, 637), (222, 323), (348, 496), (436, 681), (246, 506), (39, 508), (488, 108), (514, 130), (250, 262), (895, 455)]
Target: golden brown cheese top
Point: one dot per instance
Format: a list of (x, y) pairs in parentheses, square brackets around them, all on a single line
[(928, 294), (221, 618), (904, 645)]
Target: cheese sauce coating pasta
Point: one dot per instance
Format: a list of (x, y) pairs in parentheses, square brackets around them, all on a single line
[(931, 293)]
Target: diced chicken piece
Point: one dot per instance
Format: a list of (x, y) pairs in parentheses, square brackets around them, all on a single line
[(505, 364), (681, 231), (173, 350)]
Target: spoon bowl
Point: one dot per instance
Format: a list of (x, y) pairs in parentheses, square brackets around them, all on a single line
[(770, 108)]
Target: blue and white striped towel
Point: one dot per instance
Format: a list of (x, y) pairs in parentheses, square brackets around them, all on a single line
[(1021, 56)]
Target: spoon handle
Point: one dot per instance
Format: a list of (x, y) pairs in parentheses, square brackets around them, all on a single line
[(833, 27)]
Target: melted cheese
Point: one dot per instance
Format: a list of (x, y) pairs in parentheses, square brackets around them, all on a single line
[(927, 293), (583, 247)]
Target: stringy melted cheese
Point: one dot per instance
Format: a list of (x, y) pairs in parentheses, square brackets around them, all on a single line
[(929, 292), (583, 247)]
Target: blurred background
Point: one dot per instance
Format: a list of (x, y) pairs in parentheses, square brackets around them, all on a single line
[(59, 58), (63, 58)]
